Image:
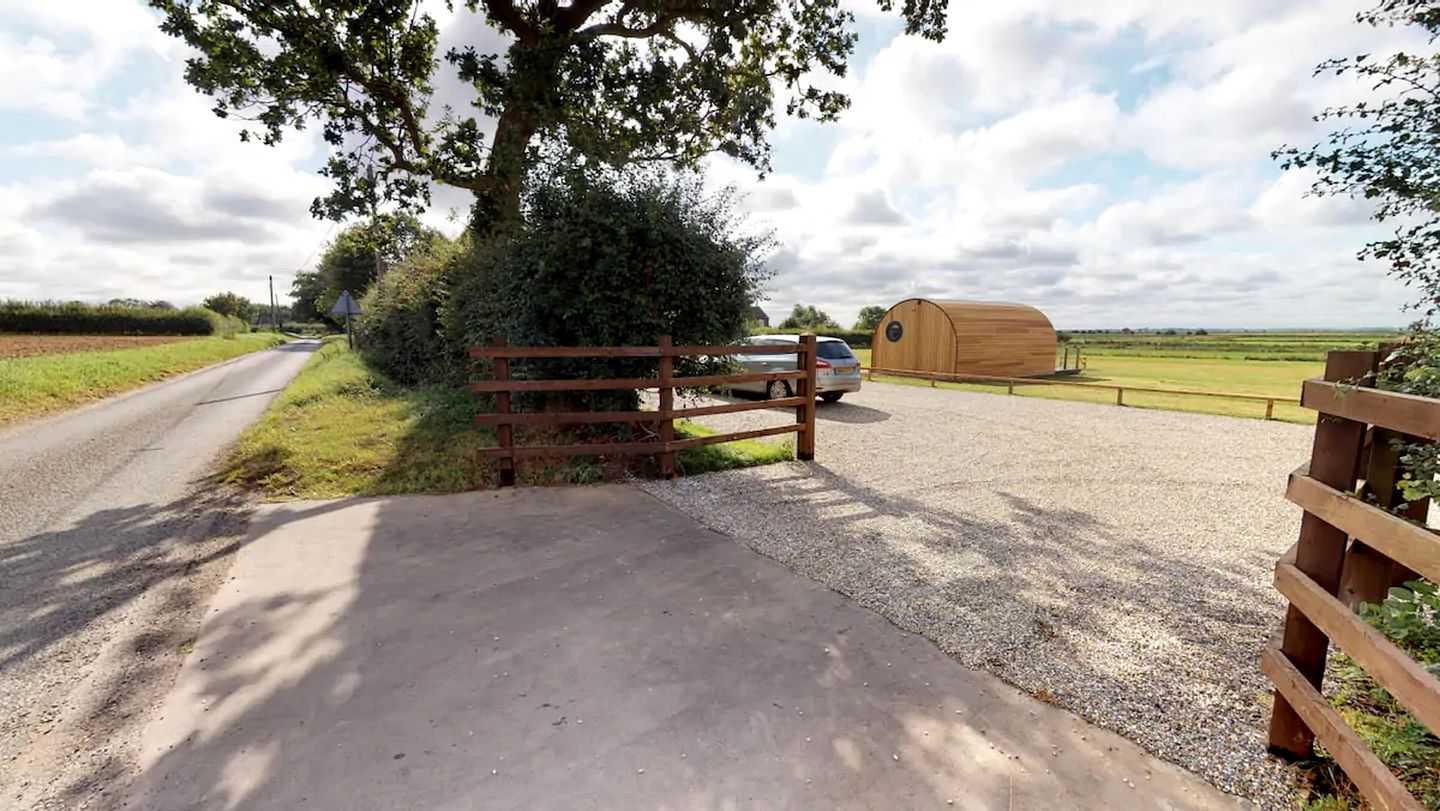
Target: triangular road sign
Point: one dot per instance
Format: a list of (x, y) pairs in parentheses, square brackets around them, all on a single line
[(345, 305)]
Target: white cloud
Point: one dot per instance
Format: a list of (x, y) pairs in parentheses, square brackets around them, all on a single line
[(1104, 159)]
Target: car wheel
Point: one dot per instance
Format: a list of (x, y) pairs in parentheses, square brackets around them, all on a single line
[(832, 396), (776, 389)]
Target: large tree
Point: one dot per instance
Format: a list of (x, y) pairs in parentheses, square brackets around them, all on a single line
[(232, 305), (307, 291), (618, 80), (869, 317), (808, 316)]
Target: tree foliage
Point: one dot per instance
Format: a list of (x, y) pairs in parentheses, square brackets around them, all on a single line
[(807, 316), (618, 80), (611, 258), (157, 304), (307, 292), (398, 328), (869, 317), (353, 260), (1387, 149), (232, 305)]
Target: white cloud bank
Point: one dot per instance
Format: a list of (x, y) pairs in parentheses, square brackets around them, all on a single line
[(1106, 160)]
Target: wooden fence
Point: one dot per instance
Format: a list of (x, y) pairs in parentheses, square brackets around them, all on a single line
[(1351, 549), (1064, 359), (663, 445), (1011, 382)]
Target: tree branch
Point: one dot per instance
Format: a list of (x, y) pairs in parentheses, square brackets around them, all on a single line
[(660, 26), (505, 13), (574, 15)]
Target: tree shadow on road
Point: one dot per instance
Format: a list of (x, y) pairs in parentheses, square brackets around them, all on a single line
[(1141, 633), (588, 647)]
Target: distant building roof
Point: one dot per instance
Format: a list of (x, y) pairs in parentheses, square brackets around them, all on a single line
[(759, 315)]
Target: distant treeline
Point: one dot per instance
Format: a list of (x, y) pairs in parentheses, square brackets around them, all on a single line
[(856, 338), (79, 318)]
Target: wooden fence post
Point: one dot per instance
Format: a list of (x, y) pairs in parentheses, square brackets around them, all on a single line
[(1320, 553), (504, 432), (805, 441), (1368, 573), (1119, 396), (1269, 409), (667, 403), (1066, 363), (1010, 386)]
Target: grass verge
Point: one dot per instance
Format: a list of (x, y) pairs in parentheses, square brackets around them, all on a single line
[(727, 455), (1409, 617), (342, 428), (35, 386)]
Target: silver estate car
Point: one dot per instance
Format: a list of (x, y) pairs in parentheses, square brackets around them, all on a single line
[(837, 369)]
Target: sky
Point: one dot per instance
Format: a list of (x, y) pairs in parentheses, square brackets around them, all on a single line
[(1107, 161)]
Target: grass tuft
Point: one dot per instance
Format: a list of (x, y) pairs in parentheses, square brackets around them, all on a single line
[(727, 455)]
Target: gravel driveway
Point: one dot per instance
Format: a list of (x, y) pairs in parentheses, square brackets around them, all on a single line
[(1114, 561)]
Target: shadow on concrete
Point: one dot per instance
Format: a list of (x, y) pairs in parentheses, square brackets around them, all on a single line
[(585, 647), (999, 594)]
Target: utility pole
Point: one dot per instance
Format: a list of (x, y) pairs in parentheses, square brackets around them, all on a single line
[(374, 221), (274, 312)]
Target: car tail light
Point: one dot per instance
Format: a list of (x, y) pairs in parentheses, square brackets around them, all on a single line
[(822, 364)]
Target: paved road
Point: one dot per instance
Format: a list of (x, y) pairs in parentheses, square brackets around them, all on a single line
[(108, 545), (588, 648)]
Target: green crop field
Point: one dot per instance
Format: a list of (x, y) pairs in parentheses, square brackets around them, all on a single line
[(1263, 363)]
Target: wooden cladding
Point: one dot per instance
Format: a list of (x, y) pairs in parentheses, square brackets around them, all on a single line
[(1349, 551), (965, 337), (664, 446)]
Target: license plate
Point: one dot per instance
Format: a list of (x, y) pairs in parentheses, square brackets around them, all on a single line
[(844, 370)]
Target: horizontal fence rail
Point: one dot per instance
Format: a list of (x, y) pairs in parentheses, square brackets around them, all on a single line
[(1351, 549), (945, 377), (665, 445)]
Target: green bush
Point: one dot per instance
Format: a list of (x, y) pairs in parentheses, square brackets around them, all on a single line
[(857, 338), (610, 258), (79, 318), (398, 328)]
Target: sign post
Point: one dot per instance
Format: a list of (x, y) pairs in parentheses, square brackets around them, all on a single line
[(346, 306)]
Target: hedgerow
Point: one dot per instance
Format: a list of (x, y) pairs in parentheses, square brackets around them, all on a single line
[(79, 318)]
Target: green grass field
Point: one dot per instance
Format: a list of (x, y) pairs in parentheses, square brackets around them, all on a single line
[(1261, 363), (341, 429), (34, 386)]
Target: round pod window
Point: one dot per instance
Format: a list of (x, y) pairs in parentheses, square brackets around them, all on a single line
[(893, 331)]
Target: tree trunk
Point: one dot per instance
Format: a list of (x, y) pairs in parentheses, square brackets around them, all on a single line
[(497, 208)]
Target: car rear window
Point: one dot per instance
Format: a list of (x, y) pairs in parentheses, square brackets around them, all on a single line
[(834, 350)]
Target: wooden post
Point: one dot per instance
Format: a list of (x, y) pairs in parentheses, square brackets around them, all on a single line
[(1367, 574), (1269, 409), (667, 403), (1066, 363), (1077, 357), (1320, 553), (504, 432), (805, 441), (1010, 386), (1119, 396)]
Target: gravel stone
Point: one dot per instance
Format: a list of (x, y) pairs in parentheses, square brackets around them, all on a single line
[(1115, 561)]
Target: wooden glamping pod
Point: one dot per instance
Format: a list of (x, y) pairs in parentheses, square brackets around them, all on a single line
[(965, 337)]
